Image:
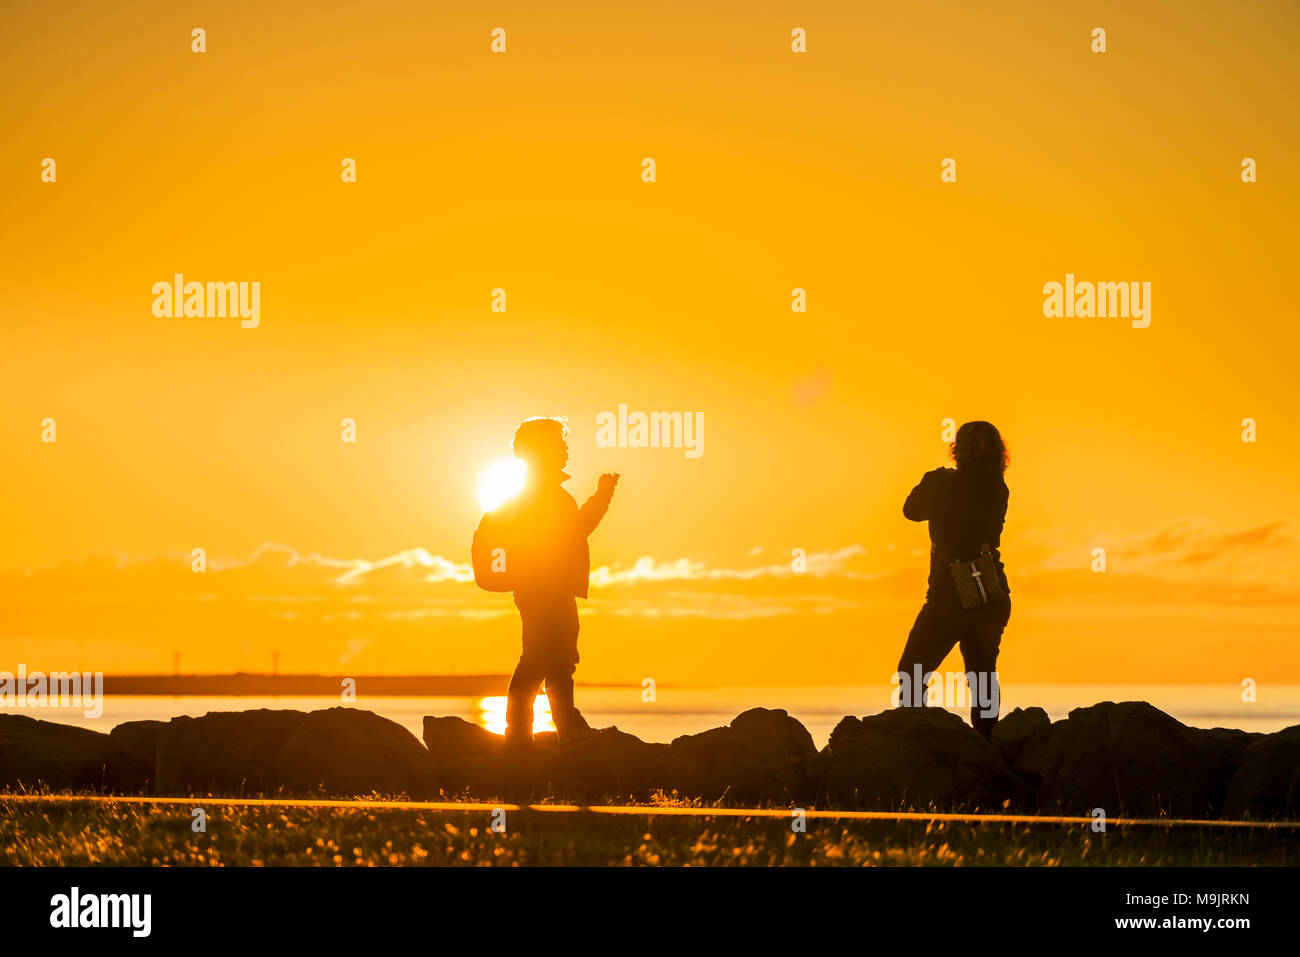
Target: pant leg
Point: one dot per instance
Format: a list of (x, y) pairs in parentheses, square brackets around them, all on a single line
[(524, 685), (550, 639), (979, 652), (562, 650), (932, 636), (569, 721)]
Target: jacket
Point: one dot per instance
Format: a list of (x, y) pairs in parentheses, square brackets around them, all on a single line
[(548, 539), (958, 505)]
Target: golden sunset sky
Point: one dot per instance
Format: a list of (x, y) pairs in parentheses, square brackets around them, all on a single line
[(522, 171)]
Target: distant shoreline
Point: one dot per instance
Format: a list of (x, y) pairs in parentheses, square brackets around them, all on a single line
[(243, 684)]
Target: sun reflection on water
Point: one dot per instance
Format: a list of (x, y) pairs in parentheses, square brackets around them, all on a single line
[(492, 714)]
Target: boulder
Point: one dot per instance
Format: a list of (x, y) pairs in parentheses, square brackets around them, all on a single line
[(1127, 758), (450, 739), (503, 774), (763, 755), (223, 752), (138, 740), (472, 760), (35, 753), (1267, 781), (608, 764), (917, 759), (1131, 758), (1016, 730), (347, 752)]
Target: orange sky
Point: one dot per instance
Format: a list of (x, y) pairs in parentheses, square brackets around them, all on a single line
[(522, 171)]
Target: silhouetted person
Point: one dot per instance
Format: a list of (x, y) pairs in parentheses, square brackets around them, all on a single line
[(966, 508), (547, 551)]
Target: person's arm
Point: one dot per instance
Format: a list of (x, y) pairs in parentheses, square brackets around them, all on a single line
[(594, 509), (994, 533), (920, 503)]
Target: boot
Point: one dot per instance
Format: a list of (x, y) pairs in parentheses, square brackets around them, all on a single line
[(519, 737)]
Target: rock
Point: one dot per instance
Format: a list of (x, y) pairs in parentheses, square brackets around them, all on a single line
[(518, 776), (917, 759), (223, 752), (1126, 758), (472, 760), (348, 753), (449, 739), (36, 753), (608, 764), (1267, 781), (1131, 758), (763, 755), (1016, 730), (138, 740)]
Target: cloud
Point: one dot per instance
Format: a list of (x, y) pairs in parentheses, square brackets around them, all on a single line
[(414, 563), (1186, 562), (1184, 551), (1185, 542), (839, 563), (417, 610)]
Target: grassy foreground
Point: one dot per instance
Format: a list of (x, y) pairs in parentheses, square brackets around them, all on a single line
[(122, 833)]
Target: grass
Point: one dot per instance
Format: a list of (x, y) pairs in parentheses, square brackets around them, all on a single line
[(114, 832)]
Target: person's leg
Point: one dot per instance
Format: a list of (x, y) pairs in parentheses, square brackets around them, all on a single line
[(569, 722), (524, 685), (928, 643), (979, 652), (529, 673), (563, 640)]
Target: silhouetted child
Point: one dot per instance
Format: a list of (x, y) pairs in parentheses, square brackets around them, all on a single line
[(545, 535)]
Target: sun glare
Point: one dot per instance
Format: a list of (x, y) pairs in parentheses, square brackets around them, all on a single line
[(492, 714), (500, 483)]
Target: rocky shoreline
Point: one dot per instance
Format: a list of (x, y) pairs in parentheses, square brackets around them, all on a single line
[(1125, 758)]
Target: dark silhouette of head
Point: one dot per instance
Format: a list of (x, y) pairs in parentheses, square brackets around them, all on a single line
[(541, 443), (979, 449)]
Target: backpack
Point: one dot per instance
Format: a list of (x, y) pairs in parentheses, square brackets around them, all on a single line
[(488, 554)]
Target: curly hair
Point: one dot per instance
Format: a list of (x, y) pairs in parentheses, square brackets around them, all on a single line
[(540, 434), (979, 448)]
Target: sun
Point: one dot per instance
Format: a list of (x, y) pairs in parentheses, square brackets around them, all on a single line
[(501, 482)]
